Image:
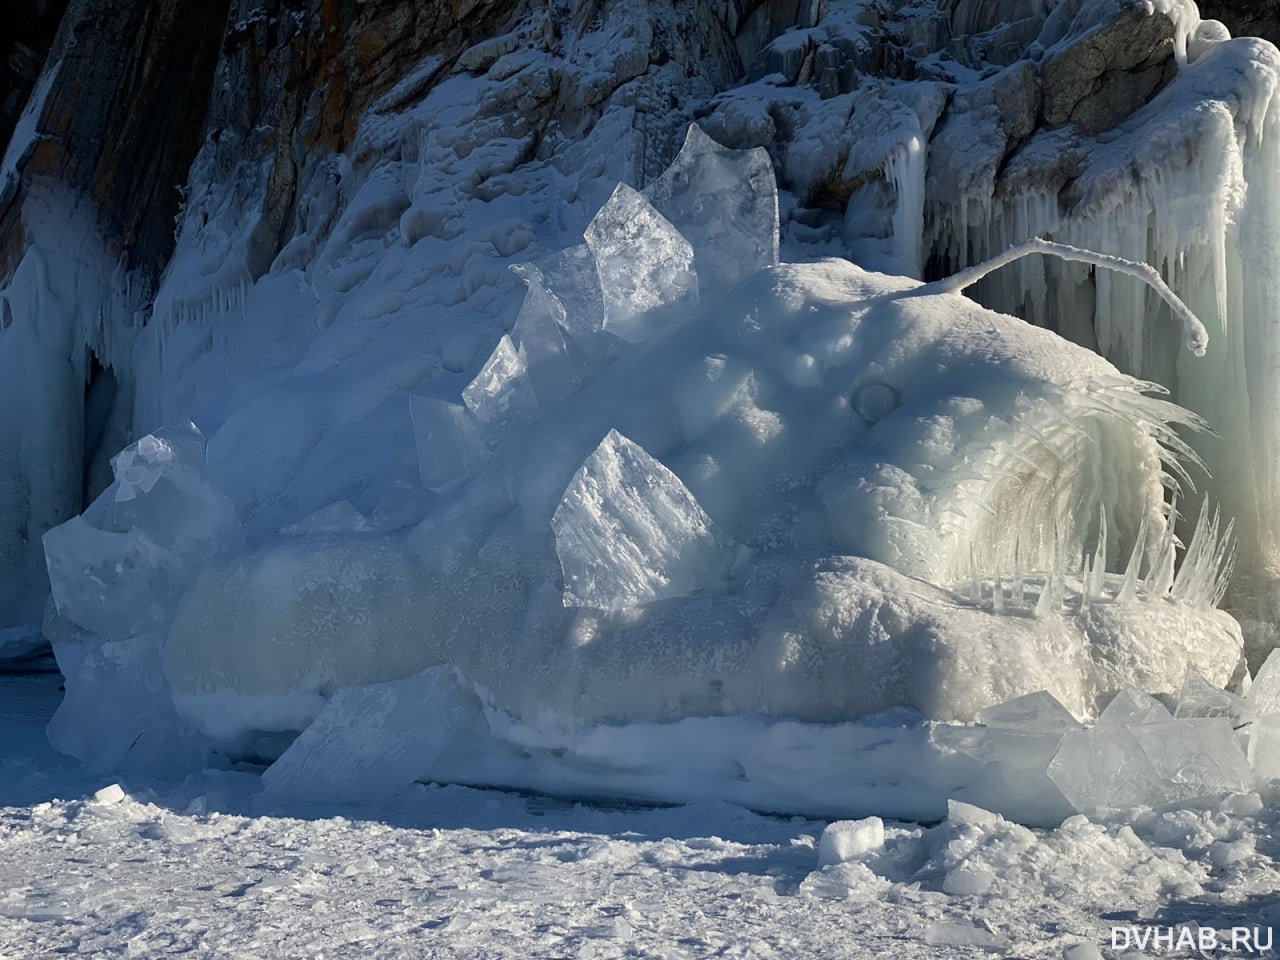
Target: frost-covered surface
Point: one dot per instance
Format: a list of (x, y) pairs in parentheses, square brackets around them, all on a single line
[(214, 867)]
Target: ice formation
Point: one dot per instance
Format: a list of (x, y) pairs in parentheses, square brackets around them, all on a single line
[(1190, 184), (701, 524), (652, 529)]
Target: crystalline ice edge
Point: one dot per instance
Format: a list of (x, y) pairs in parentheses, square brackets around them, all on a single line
[(628, 532), (645, 266), (725, 203)]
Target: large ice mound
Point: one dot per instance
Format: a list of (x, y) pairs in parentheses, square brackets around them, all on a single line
[(653, 524)]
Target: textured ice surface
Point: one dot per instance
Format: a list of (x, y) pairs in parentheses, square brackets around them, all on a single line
[(725, 203), (1108, 770), (846, 840), (645, 266), (628, 532), (370, 742), (501, 392)]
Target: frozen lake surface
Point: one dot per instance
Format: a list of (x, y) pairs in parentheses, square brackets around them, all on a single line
[(207, 867)]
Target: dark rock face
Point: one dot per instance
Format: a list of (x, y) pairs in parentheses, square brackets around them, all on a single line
[(123, 118), (30, 25), (1246, 18)]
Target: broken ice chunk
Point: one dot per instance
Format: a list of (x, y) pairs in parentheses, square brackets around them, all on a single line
[(537, 336), (370, 742), (1104, 770), (725, 203), (645, 266), (163, 491), (1200, 698), (849, 839), (501, 391), (571, 279), (1112, 769), (628, 532), (1264, 695), (1198, 757), (1035, 713), (113, 585), (1264, 748), (1131, 707), (448, 441)]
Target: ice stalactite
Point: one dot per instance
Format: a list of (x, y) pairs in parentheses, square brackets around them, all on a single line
[(1191, 184)]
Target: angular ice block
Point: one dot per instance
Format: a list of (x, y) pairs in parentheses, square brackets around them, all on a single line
[(725, 203), (501, 392), (645, 266), (628, 532), (370, 742), (450, 447)]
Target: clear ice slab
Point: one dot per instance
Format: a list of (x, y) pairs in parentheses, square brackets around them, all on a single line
[(371, 742), (645, 266), (628, 532), (447, 436), (725, 203), (501, 392)]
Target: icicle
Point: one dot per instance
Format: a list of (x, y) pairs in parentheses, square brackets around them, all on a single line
[(1129, 586), (1094, 583), (1018, 590), (997, 594), (975, 588), (1161, 578), (1051, 595)]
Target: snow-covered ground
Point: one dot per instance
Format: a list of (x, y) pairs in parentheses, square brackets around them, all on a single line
[(207, 867)]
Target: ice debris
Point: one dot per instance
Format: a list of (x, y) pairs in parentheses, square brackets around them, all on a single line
[(629, 532), (846, 840)]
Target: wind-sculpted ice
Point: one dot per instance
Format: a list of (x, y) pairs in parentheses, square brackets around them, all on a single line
[(654, 531), (629, 532)]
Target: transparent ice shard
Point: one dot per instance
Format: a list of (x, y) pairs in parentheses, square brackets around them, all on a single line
[(1200, 698), (1264, 695), (1104, 770), (371, 742), (1035, 713), (1110, 769), (1197, 757), (645, 266), (1131, 707), (450, 447), (629, 532), (501, 392), (120, 568), (538, 337), (725, 203), (571, 279)]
